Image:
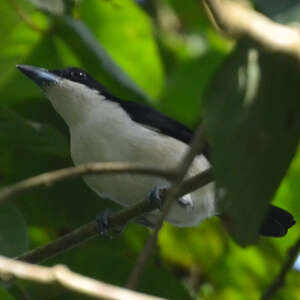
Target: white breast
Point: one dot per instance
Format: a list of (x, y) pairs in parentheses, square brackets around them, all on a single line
[(108, 134)]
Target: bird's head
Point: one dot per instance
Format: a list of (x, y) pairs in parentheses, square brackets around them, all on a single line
[(72, 91)]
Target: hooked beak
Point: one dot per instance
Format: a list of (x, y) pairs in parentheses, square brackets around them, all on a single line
[(42, 77)]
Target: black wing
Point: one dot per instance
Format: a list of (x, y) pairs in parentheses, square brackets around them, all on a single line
[(152, 118), (277, 222)]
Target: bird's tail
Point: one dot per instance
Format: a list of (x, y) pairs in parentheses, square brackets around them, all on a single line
[(277, 222)]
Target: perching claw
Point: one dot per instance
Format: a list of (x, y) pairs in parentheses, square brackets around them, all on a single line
[(157, 195), (103, 226)]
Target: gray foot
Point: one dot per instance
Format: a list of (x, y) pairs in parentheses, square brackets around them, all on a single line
[(185, 201), (102, 222), (103, 226), (157, 195)]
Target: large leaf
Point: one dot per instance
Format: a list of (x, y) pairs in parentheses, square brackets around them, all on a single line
[(17, 39), (252, 118), (95, 58), (25, 46), (125, 32), (184, 89)]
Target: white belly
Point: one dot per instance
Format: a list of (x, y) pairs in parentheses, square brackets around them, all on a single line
[(96, 142)]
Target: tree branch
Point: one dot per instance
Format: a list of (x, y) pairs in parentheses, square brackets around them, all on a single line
[(237, 20), (62, 275), (120, 218), (197, 145), (279, 280), (50, 178)]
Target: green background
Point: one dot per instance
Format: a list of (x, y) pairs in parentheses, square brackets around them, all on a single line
[(164, 53)]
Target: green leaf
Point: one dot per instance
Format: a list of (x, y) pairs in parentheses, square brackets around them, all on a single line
[(252, 119), (125, 32), (95, 58), (183, 93), (10, 19), (13, 233), (36, 137), (29, 47)]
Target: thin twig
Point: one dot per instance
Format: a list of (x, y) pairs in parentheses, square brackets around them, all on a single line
[(197, 145), (60, 274), (50, 178), (237, 20), (279, 280), (122, 217)]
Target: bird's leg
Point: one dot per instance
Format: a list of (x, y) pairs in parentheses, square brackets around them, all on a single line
[(103, 226), (185, 201), (157, 195)]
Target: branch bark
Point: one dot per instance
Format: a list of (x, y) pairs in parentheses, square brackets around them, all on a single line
[(120, 218), (50, 178), (72, 281), (237, 20)]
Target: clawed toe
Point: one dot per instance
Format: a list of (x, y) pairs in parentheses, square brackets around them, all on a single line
[(103, 226), (156, 196)]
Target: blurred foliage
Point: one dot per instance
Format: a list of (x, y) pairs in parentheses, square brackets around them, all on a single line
[(163, 52)]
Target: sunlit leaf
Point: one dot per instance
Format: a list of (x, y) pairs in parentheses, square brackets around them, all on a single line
[(125, 32)]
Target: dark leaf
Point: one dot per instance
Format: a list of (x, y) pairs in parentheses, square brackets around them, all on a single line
[(95, 58), (252, 118)]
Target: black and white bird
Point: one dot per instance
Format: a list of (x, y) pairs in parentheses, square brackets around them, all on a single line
[(104, 128)]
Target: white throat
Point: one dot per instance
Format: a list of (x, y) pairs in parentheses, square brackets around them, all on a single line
[(73, 101)]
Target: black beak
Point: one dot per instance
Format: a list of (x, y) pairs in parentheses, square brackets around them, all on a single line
[(42, 77)]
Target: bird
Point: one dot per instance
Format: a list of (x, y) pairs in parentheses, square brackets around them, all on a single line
[(105, 128)]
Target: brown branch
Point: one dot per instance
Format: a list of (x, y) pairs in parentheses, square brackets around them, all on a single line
[(237, 20), (120, 218), (50, 178), (279, 280), (197, 145), (60, 274)]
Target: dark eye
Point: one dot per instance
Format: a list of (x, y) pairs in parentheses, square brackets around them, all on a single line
[(78, 75)]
